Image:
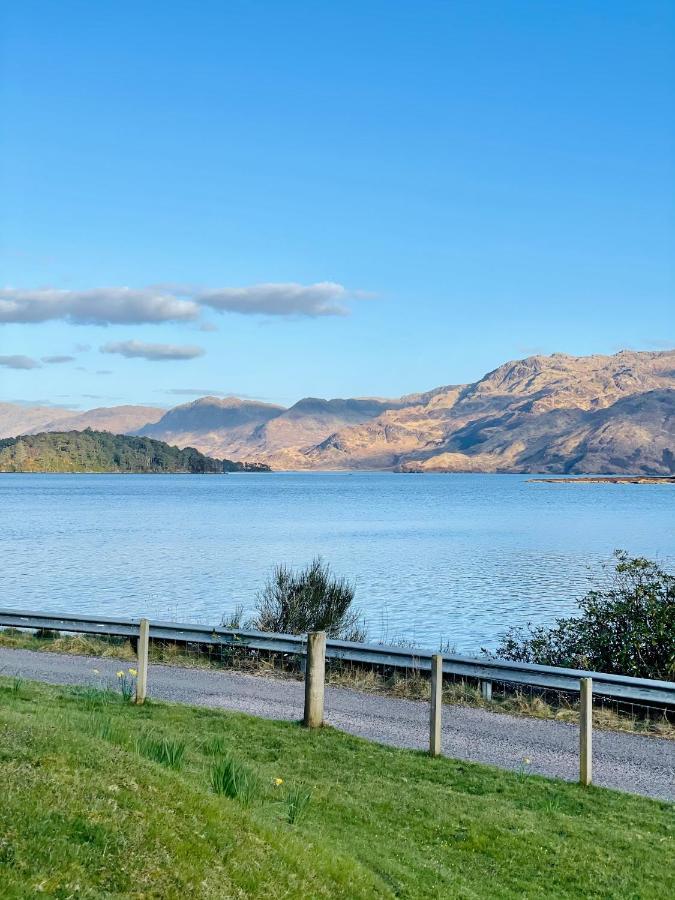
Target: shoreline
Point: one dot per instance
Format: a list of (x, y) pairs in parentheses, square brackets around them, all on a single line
[(607, 479)]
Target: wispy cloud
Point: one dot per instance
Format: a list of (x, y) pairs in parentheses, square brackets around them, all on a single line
[(153, 352), (38, 403), (19, 362), (194, 392), (58, 359), (660, 343), (173, 303)]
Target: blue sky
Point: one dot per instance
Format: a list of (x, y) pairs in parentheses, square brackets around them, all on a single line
[(355, 198)]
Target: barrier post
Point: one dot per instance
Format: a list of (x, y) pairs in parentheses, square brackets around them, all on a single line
[(436, 704), (315, 679), (586, 731), (142, 653)]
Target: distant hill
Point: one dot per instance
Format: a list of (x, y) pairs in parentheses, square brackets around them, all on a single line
[(115, 419), (17, 419), (100, 451), (213, 423), (555, 414)]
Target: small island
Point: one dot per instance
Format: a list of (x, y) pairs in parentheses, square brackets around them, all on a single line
[(608, 479), (101, 452)]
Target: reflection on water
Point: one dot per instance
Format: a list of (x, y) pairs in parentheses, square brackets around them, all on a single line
[(434, 557)]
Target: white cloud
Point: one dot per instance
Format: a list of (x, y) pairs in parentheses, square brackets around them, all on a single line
[(286, 299), (19, 362), (154, 352), (100, 306), (172, 303)]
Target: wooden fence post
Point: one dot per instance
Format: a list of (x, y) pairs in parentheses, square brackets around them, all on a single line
[(315, 678), (586, 731), (436, 704), (142, 653)]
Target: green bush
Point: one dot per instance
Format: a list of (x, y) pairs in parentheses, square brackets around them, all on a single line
[(312, 599), (626, 627)]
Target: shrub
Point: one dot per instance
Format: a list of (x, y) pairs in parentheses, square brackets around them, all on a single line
[(312, 599), (626, 627)]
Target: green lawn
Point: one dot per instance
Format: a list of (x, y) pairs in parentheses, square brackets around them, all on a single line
[(87, 811)]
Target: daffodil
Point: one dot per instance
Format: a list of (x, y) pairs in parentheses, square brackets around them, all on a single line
[(133, 672), (95, 671), (278, 782), (527, 760), (120, 674)]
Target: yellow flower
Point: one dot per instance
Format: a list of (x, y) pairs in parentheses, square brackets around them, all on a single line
[(133, 672), (120, 674), (527, 760), (278, 782)]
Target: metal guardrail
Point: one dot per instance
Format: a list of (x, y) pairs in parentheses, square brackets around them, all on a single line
[(618, 687)]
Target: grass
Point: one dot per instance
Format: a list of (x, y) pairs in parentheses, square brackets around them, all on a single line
[(166, 751), (235, 779), (82, 813), (411, 685)]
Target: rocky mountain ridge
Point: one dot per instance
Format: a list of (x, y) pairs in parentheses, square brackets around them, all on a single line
[(555, 414)]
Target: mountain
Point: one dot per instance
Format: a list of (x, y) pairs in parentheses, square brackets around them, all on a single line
[(215, 425), (252, 429), (554, 414), (558, 414), (100, 451), (16, 419)]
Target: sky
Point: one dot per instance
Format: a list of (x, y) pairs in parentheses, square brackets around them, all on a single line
[(285, 199)]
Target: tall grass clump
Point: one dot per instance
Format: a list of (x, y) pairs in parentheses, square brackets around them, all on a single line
[(166, 751), (311, 599), (214, 745), (297, 799), (95, 697), (235, 780)]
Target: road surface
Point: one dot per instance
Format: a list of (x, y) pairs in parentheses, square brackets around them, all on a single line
[(627, 762)]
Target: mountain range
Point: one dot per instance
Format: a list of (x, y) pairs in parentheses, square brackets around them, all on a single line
[(554, 414)]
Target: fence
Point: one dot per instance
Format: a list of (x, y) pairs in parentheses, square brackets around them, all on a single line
[(485, 671)]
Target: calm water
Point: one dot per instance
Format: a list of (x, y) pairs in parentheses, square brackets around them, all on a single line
[(457, 558)]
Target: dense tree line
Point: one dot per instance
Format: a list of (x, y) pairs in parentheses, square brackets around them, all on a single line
[(100, 451)]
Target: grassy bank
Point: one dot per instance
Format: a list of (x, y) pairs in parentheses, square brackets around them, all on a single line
[(101, 798), (412, 685)]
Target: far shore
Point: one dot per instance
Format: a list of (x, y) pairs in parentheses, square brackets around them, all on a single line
[(608, 479)]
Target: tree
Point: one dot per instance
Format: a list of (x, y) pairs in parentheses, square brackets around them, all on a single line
[(312, 599), (626, 627)]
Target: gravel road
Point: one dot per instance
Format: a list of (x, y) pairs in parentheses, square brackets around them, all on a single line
[(626, 762)]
